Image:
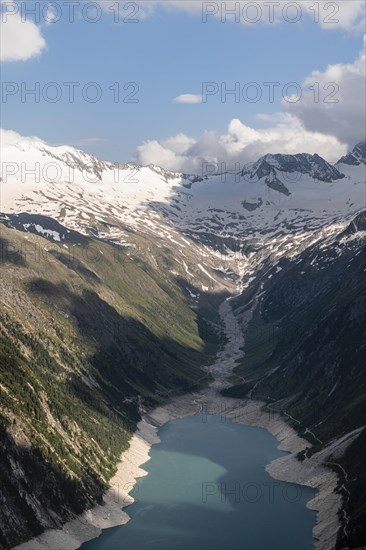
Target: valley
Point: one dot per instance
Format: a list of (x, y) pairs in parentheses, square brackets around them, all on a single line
[(115, 282)]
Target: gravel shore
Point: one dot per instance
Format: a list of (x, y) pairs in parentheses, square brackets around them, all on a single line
[(310, 472)]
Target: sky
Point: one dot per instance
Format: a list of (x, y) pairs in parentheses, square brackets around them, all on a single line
[(150, 81)]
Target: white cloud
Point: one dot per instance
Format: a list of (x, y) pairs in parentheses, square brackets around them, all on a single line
[(188, 98), (179, 143), (325, 127), (19, 39), (9, 137), (340, 110), (152, 152), (348, 15), (241, 144)]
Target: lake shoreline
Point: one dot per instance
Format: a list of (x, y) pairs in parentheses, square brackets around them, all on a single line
[(310, 472), (288, 468)]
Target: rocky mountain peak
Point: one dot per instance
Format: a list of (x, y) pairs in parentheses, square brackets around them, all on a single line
[(302, 163), (356, 157)]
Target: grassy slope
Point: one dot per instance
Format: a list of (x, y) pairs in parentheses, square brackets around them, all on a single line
[(87, 337)]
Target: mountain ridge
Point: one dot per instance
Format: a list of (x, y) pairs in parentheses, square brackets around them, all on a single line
[(123, 259)]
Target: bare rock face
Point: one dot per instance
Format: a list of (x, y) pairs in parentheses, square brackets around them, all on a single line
[(356, 157), (113, 279)]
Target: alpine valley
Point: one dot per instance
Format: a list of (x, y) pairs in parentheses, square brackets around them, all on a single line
[(112, 282)]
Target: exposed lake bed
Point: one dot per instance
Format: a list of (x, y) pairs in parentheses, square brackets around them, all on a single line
[(283, 466), (208, 489), (287, 467)]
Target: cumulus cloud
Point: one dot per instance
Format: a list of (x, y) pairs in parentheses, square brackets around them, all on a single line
[(348, 15), (343, 14), (240, 144), (179, 143), (328, 119), (19, 39), (336, 105), (188, 98)]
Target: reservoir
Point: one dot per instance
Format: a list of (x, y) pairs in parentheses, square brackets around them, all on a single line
[(207, 489)]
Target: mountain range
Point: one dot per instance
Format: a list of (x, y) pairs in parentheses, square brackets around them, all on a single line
[(112, 277)]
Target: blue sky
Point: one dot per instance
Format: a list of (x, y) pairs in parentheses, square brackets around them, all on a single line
[(168, 53)]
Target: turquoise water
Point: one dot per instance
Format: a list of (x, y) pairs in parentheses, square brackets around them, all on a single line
[(207, 489)]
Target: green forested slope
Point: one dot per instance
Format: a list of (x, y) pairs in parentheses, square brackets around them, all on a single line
[(88, 339)]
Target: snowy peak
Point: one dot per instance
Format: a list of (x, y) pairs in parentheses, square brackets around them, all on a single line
[(356, 157), (278, 193), (278, 172), (303, 163), (68, 159)]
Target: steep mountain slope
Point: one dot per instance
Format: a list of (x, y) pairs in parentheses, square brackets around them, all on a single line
[(111, 277), (355, 158), (88, 339), (305, 351)]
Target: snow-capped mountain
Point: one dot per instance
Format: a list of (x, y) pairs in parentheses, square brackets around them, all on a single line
[(235, 221), (286, 234), (215, 225), (356, 157), (277, 194), (313, 165)]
